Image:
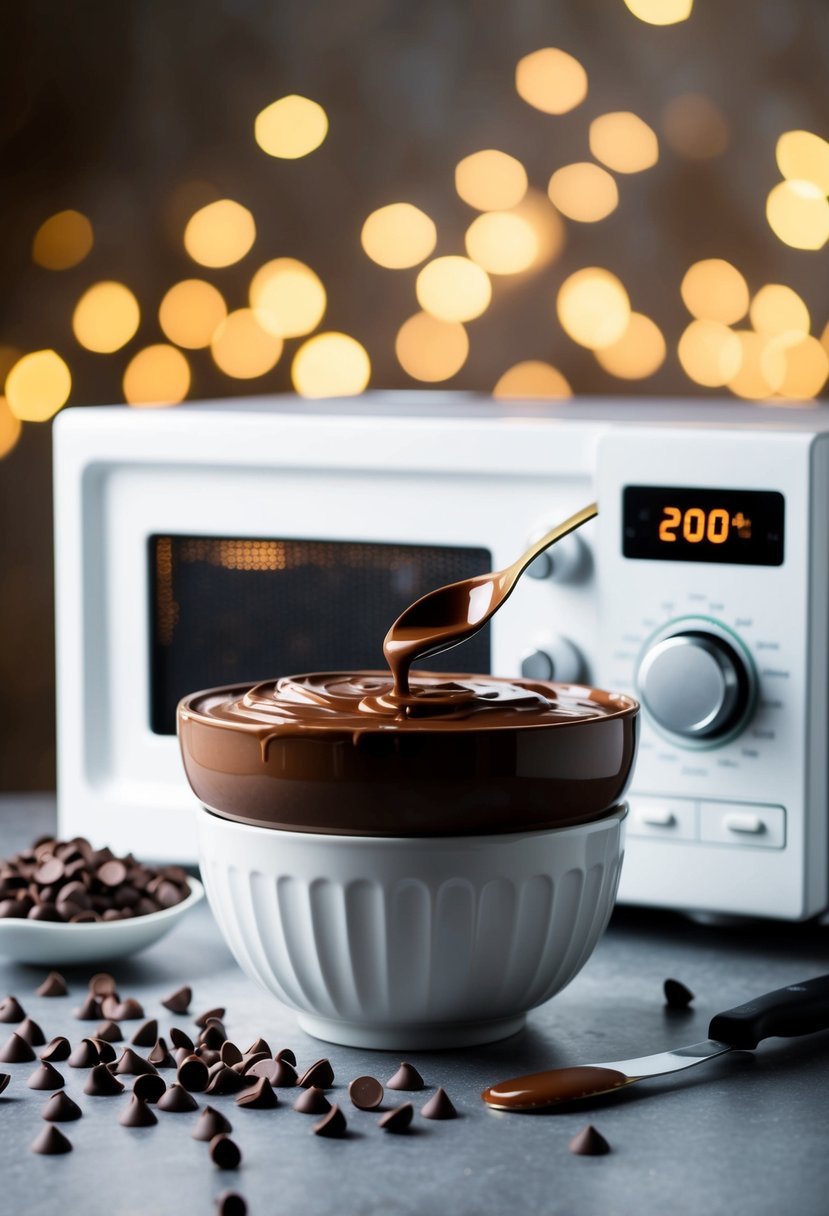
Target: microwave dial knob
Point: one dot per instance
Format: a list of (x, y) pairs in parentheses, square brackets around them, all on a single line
[(555, 659), (563, 562), (694, 684)]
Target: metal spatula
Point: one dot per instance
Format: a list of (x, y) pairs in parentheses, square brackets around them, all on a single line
[(799, 1009)]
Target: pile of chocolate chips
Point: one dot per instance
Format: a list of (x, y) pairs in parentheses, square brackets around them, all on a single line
[(68, 880)]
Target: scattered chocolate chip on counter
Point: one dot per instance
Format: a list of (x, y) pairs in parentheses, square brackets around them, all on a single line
[(53, 985), (85, 1055), (56, 1050), (11, 1010), (677, 995), (225, 1081), (90, 1010), (224, 1152), (109, 1031), (260, 1046), (132, 1064), (439, 1106), (398, 1120), (5, 1077), (280, 1073), (102, 984), (16, 1050), (121, 1011), (177, 1100), (102, 1084), (145, 1035), (230, 1053), (106, 1052), (259, 1097), (178, 1001), (589, 1143), (312, 1101), (211, 1123), (51, 1141), (284, 1053), (320, 1073), (406, 1077), (179, 1039), (149, 1087), (192, 1074), (45, 1077), (31, 1032), (61, 1109), (332, 1126), (137, 1114), (366, 1093), (231, 1204), (160, 1056), (203, 1018)]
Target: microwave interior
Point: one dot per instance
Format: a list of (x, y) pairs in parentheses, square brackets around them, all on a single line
[(228, 610)]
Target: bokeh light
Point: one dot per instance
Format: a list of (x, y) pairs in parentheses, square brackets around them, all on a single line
[(694, 127), (330, 365), (593, 307), (453, 289), (491, 180), (714, 290), (291, 127), (37, 386), (288, 298), (583, 192), (106, 317), (551, 80), (156, 376), (220, 233), (709, 353), (502, 242), (661, 12), (242, 348), (762, 367), (429, 349), (532, 378), (624, 142), (62, 241), (548, 226), (190, 312), (777, 309), (638, 353), (805, 367), (398, 235), (803, 156), (10, 428), (798, 214)]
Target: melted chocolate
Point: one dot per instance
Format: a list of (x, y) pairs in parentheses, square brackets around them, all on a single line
[(540, 1089)]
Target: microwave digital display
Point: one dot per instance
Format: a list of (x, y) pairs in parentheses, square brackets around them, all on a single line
[(735, 527), (228, 610)]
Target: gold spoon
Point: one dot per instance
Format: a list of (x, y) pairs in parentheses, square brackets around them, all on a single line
[(449, 615)]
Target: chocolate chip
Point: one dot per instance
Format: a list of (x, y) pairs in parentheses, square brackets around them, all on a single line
[(213, 1036), (149, 1087), (230, 1053), (31, 1032), (47, 911), (677, 996), (439, 1106), (320, 1073), (45, 1077), (51, 1141), (178, 1001), (278, 1072), (111, 873), (110, 1031), (103, 984), (85, 1055), (60, 1109), (16, 1051), (179, 1039), (226, 1081), (312, 1101), (192, 1074), (332, 1125), (53, 985), (203, 1018), (146, 1035), (398, 1120), (160, 1056), (209, 1056), (137, 1114), (101, 1083), (260, 1097), (285, 1054), (224, 1152), (406, 1077), (132, 1064), (257, 1046), (49, 871), (210, 1123), (231, 1204), (366, 1093), (90, 1010), (121, 1011), (56, 1050), (5, 1077), (106, 1052), (177, 1100), (589, 1143), (11, 1010)]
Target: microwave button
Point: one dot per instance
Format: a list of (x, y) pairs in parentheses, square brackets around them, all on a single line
[(663, 818), (743, 824), (555, 659), (564, 562)]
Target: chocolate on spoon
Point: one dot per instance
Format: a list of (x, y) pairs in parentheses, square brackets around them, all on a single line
[(449, 615)]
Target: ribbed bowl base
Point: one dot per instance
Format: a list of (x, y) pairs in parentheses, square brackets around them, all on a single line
[(410, 1038)]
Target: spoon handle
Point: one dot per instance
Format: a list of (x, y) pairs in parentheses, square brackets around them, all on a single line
[(556, 533)]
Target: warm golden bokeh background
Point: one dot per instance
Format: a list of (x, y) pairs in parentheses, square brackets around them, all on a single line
[(591, 196)]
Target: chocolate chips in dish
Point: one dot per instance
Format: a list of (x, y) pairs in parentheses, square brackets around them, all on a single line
[(70, 881)]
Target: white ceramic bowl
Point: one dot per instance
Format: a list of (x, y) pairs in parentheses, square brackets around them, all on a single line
[(411, 943), (54, 942)]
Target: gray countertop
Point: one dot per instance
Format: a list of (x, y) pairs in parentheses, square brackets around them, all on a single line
[(743, 1134)]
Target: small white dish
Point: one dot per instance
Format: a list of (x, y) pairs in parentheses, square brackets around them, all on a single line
[(54, 942)]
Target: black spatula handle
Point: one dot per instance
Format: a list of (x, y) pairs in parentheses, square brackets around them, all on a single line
[(799, 1009)]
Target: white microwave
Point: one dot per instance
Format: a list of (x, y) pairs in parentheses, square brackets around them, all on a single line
[(239, 540)]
